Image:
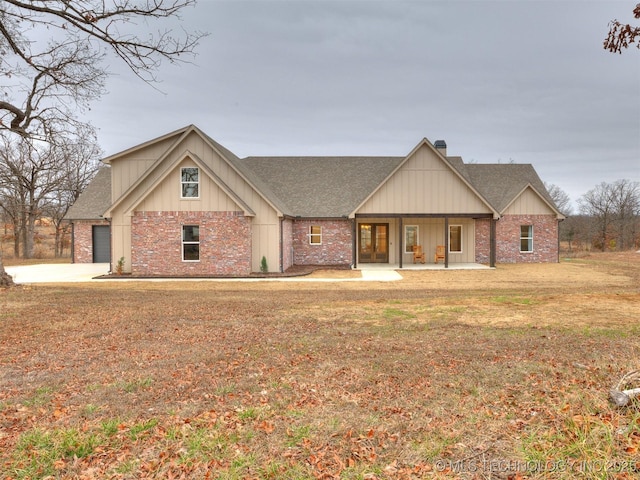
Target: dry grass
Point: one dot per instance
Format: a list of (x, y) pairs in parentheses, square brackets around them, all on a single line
[(44, 247), (460, 374)]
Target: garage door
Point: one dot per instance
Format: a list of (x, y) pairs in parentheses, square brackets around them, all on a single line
[(101, 244)]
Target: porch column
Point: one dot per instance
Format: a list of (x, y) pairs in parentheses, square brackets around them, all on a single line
[(446, 242), (400, 243), (492, 243)]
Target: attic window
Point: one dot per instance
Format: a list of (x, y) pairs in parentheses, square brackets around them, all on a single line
[(189, 182)]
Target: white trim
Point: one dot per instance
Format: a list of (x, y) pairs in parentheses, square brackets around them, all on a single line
[(197, 183), (183, 243), (417, 239), (528, 238)]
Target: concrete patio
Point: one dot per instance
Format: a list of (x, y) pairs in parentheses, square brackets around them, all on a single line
[(422, 266)]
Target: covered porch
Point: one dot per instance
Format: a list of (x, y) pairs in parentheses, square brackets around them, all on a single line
[(387, 240)]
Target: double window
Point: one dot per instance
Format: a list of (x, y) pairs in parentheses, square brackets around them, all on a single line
[(189, 182), (315, 235), (190, 243), (526, 238)]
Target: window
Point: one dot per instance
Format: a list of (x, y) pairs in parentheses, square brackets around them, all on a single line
[(190, 243), (526, 238), (315, 235), (410, 238), (189, 182), (455, 238)]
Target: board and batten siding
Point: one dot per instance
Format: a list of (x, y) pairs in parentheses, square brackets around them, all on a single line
[(164, 195), (126, 170), (424, 184), (528, 203), (431, 233)]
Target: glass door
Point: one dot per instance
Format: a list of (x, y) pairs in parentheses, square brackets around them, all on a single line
[(373, 245)]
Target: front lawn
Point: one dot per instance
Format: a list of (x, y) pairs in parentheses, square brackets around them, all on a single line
[(459, 374)]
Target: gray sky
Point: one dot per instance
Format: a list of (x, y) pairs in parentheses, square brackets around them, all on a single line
[(524, 81)]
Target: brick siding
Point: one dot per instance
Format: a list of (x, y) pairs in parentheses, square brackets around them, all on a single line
[(336, 247), (156, 244), (545, 239), (483, 240), (83, 240)]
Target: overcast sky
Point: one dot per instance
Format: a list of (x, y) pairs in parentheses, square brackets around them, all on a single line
[(523, 81)]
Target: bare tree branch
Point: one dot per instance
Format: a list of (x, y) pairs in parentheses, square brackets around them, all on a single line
[(46, 80), (621, 36)]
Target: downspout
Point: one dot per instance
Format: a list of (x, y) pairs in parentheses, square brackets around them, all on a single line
[(281, 245), (492, 242), (400, 248), (558, 230), (446, 242), (111, 247), (354, 241)]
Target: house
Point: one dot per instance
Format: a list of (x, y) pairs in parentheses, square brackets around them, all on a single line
[(183, 205)]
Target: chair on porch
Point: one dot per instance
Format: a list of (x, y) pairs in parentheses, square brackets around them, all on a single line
[(439, 254), (418, 254)]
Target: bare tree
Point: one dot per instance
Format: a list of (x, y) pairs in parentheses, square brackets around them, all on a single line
[(626, 202), (78, 162), (560, 198), (598, 204), (30, 176), (622, 35), (615, 211), (51, 54)]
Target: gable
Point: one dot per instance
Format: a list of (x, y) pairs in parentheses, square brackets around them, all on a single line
[(529, 203), (425, 183), (200, 149), (130, 165), (166, 195), (504, 184)]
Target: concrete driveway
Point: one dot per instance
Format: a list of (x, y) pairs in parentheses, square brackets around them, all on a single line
[(85, 272), (57, 272)]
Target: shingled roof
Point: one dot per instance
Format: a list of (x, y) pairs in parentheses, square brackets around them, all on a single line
[(320, 186), (94, 200), (500, 183), (330, 187)]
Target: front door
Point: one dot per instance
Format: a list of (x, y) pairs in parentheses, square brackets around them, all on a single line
[(373, 246)]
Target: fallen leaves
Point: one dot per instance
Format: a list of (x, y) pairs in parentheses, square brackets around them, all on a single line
[(248, 381)]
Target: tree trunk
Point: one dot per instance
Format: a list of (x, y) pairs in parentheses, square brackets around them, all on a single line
[(16, 241), (57, 244), (23, 234), (5, 278), (29, 248)]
